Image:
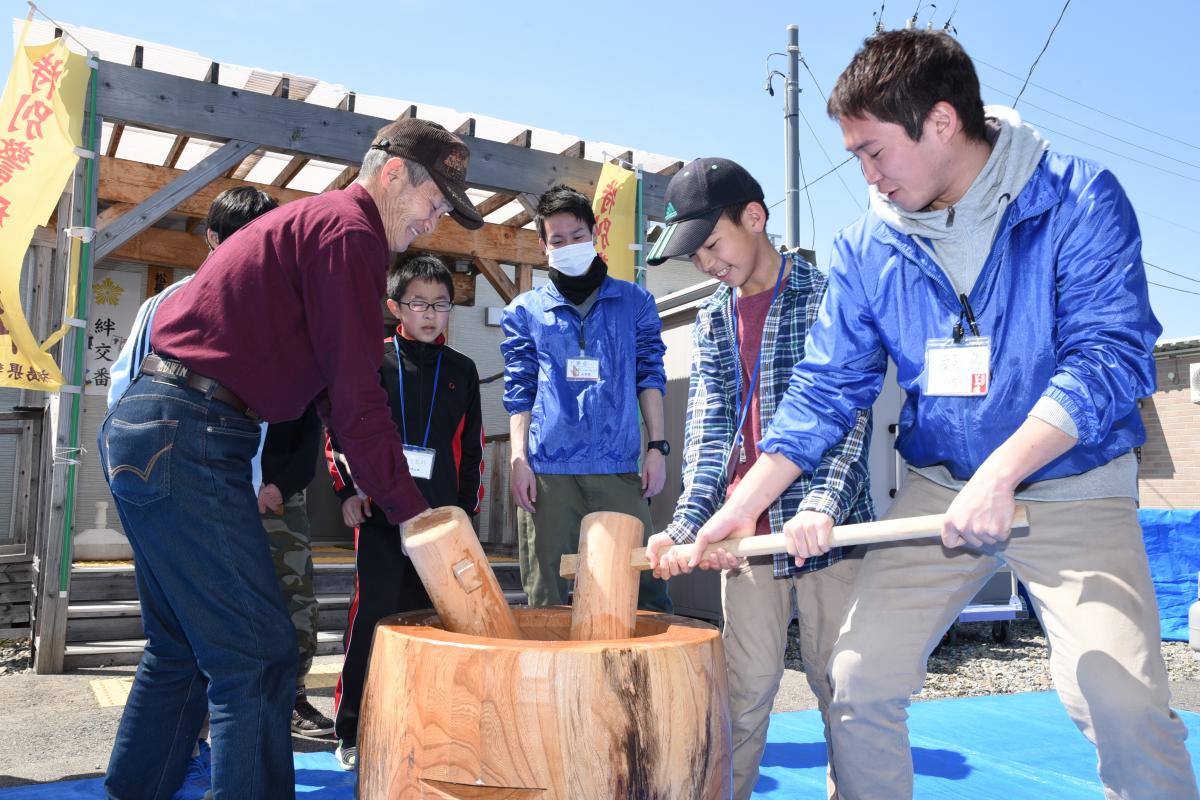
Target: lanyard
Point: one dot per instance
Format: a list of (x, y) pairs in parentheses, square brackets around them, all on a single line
[(432, 397), (743, 409)]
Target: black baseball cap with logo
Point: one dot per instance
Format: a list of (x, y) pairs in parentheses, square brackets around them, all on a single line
[(696, 196), (441, 153)]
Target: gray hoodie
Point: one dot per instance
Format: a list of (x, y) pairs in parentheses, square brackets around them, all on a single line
[(958, 239)]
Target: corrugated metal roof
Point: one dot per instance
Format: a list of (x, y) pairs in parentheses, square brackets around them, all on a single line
[(152, 147)]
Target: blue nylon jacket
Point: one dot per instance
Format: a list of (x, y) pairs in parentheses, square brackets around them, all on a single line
[(582, 427), (1062, 295)]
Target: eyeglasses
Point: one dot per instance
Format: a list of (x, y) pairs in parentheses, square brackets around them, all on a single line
[(420, 306)]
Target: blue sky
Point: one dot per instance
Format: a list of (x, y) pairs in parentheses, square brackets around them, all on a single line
[(686, 79)]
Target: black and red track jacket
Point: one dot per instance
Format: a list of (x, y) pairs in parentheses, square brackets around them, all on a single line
[(455, 432)]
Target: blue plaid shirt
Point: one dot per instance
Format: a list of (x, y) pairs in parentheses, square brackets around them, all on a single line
[(840, 485)]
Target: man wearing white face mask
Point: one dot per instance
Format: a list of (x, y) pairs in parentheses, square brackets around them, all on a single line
[(581, 354)]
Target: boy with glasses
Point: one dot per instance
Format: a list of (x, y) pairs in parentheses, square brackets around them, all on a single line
[(433, 392)]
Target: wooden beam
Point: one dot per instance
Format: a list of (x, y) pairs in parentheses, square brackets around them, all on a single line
[(496, 242), (467, 128), (165, 248), (496, 277), (290, 170), (494, 203), (114, 140), (528, 212), (408, 113), (175, 152), (131, 183), (522, 139), (524, 278), (344, 179), (528, 201), (519, 221), (242, 168), (574, 151), (346, 176), (670, 169), (53, 585), (159, 204), (212, 76), (178, 105), (152, 246), (112, 212)]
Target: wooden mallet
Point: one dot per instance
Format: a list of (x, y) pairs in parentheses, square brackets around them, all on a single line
[(466, 595), (890, 530), (606, 589)]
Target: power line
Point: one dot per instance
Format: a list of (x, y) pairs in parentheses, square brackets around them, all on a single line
[(812, 217), (1168, 221), (842, 180), (817, 179), (817, 139), (1176, 274), (1039, 55), (1115, 153), (1172, 288), (1097, 130), (1090, 108)]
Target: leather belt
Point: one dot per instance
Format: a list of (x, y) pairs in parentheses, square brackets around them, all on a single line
[(170, 368)]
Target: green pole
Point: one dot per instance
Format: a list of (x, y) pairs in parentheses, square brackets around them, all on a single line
[(81, 304)]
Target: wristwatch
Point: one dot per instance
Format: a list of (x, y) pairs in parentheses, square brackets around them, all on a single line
[(661, 445)]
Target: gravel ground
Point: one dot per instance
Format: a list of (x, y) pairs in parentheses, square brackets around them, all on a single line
[(14, 656), (971, 663)]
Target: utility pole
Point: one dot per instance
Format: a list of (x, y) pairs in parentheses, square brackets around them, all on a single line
[(791, 115)]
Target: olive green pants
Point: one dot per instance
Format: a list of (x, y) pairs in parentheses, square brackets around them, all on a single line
[(553, 530)]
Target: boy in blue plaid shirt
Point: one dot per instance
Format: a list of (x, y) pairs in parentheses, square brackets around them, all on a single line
[(746, 340)]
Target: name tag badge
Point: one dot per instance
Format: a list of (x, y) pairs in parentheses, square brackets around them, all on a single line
[(583, 368), (420, 461), (958, 369)]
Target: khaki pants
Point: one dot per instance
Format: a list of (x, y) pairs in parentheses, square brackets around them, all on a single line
[(553, 531), (758, 609), (1086, 570)]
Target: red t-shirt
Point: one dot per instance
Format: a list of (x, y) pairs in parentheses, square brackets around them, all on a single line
[(751, 318), (286, 311)]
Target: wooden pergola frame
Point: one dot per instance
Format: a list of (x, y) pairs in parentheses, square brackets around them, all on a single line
[(133, 198)]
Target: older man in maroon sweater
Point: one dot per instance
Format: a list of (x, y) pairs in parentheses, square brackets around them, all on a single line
[(285, 312)]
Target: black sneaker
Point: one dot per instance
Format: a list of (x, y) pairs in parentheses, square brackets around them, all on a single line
[(307, 721)]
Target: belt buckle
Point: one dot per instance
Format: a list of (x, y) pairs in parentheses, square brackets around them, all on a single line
[(172, 369)]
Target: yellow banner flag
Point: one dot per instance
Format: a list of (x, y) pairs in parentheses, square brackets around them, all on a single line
[(41, 115), (615, 206)]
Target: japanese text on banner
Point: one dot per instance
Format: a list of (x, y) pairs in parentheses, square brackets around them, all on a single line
[(41, 114), (615, 206)]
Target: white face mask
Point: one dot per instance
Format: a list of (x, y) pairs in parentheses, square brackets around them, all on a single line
[(574, 259)]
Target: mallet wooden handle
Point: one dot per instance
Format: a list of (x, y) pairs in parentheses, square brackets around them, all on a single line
[(891, 530), (447, 555)]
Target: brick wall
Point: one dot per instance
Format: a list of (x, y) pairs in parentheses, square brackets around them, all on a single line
[(1170, 468)]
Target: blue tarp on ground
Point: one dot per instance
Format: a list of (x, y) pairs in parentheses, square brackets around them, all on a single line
[(1005, 747), (1172, 539), (985, 748)]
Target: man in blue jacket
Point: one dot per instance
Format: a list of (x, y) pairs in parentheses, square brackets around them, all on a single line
[(1006, 282), (581, 355)]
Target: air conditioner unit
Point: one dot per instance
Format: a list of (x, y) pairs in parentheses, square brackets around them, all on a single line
[(1196, 383)]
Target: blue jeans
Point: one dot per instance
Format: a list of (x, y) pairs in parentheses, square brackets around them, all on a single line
[(218, 635)]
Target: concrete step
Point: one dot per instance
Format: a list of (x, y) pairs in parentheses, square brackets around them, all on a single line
[(90, 655), (121, 620), (116, 582)]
